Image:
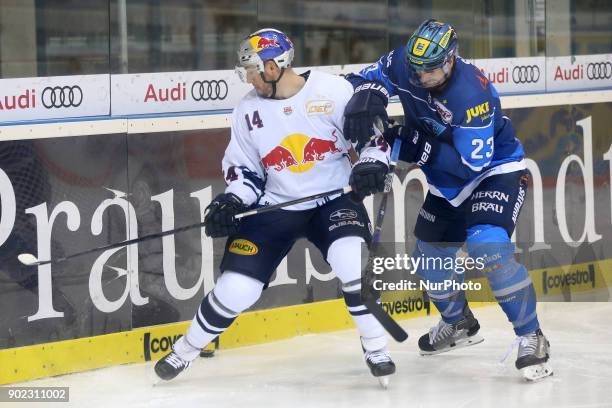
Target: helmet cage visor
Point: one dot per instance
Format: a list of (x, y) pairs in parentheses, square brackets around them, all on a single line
[(427, 78), (248, 61), (264, 45), (246, 72)]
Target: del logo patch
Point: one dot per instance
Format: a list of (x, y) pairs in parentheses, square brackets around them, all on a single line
[(319, 107), (243, 247)]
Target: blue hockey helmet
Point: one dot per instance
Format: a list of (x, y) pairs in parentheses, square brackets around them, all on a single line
[(431, 46), (261, 46)]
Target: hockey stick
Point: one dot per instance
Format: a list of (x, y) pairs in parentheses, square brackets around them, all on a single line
[(369, 298), (30, 260), (267, 208)]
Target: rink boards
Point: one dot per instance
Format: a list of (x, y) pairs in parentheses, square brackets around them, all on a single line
[(76, 184), (256, 327)]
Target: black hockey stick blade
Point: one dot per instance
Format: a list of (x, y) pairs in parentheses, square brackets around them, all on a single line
[(369, 297), (390, 325)]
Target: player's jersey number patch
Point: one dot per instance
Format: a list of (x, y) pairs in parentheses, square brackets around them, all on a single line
[(480, 144), (255, 121)]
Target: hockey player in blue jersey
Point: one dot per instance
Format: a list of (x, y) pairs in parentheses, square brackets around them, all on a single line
[(456, 132)]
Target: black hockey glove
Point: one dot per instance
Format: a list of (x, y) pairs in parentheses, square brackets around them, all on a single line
[(219, 218), (368, 177), (367, 103), (417, 147)]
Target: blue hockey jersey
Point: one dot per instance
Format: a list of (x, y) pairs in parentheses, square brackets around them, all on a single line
[(478, 141)]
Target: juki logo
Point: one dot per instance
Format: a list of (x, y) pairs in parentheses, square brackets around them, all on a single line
[(477, 111)]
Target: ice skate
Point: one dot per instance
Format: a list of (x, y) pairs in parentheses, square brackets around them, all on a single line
[(533, 355), (445, 337), (177, 361), (380, 364), (170, 366)]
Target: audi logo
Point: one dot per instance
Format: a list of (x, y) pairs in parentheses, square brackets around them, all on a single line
[(599, 70), (525, 74), (62, 96), (209, 90)]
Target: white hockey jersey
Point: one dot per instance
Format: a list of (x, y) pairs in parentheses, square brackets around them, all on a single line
[(285, 149)]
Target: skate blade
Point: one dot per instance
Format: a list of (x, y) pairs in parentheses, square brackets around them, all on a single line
[(470, 341), (537, 372), (155, 379), (384, 381)]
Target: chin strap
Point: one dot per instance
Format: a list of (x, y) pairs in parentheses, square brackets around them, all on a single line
[(273, 95)]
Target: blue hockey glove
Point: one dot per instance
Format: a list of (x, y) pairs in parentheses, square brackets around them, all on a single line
[(368, 177), (368, 102), (417, 147), (219, 218)]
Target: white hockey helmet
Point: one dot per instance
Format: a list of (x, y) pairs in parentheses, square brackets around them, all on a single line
[(261, 46)]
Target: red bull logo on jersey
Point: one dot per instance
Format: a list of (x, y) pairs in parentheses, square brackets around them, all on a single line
[(279, 159), (298, 153), (316, 149), (261, 43)]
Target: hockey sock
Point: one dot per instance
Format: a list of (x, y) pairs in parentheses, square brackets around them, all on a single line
[(233, 294), (509, 280), (343, 256), (436, 268)]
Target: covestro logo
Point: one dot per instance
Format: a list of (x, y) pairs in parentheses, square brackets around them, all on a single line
[(569, 279)]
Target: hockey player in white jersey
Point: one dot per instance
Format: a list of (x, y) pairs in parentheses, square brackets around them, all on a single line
[(286, 143)]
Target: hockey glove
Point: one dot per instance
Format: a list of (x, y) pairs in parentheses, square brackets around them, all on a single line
[(417, 147), (367, 103), (368, 177), (219, 218)]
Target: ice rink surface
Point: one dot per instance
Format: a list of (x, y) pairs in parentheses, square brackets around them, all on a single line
[(327, 370)]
